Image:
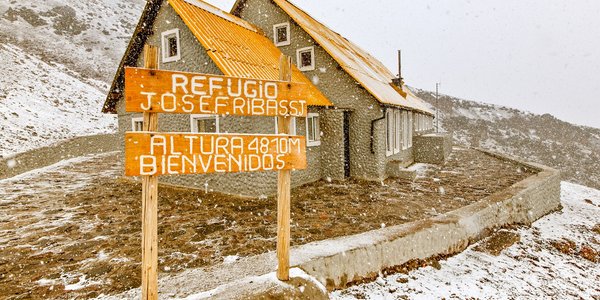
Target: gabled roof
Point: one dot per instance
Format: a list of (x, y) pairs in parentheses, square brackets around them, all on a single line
[(358, 63), (237, 47)]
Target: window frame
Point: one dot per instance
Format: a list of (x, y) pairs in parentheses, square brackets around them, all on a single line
[(410, 129), (316, 130), (390, 132), (165, 45), (405, 130), (293, 126), (299, 52), (194, 124), (137, 120), (275, 32), (398, 133)]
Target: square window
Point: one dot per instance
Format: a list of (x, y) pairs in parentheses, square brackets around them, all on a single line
[(171, 47), (305, 59), (281, 34), (313, 130), (137, 124), (204, 123)]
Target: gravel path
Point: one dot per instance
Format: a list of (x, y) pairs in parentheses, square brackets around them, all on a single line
[(40, 230)]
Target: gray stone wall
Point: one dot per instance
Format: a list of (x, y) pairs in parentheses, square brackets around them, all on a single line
[(340, 88), (432, 148), (332, 144), (195, 59)]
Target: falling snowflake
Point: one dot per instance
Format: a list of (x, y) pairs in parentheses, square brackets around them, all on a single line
[(11, 163)]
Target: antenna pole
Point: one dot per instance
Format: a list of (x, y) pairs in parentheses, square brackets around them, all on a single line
[(400, 66), (437, 107)]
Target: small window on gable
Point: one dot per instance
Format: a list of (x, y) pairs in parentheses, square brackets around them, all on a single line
[(204, 123), (281, 34), (305, 59), (137, 124), (171, 47), (313, 130)]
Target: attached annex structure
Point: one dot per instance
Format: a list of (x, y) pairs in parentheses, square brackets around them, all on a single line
[(374, 118)]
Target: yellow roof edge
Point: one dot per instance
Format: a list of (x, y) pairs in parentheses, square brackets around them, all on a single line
[(346, 68), (318, 99)]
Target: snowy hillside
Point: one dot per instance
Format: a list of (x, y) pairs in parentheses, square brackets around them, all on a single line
[(554, 259), (88, 37), (41, 103), (58, 58), (573, 149)]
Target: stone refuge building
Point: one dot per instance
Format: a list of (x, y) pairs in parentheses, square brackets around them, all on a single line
[(362, 119)]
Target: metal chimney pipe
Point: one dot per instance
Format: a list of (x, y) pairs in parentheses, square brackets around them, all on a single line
[(400, 66)]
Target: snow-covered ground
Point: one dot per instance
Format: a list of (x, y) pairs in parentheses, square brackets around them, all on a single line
[(530, 269), (88, 37), (41, 104)]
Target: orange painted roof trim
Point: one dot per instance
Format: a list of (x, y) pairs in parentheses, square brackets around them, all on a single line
[(359, 64), (237, 47)]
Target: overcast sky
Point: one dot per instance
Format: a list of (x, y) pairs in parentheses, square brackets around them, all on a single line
[(538, 55)]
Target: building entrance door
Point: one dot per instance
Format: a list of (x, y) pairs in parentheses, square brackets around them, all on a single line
[(347, 144)]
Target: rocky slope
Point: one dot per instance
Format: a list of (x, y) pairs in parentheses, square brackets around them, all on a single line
[(87, 37), (573, 149)]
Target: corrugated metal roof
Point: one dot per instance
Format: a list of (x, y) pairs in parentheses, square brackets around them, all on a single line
[(362, 66), (237, 47)]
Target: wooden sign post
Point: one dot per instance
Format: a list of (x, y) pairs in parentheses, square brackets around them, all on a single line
[(283, 188), (150, 203), (150, 154)]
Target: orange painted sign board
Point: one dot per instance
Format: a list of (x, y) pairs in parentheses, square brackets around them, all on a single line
[(153, 154), (161, 91)]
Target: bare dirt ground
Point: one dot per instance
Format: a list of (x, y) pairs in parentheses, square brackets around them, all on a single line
[(73, 229)]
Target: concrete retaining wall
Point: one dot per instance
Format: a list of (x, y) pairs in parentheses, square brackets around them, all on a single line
[(45, 156), (339, 261)]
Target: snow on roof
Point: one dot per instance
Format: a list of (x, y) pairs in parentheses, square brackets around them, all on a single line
[(362, 66)]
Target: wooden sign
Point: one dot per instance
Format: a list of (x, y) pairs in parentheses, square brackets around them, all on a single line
[(150, 154), (189, 93)]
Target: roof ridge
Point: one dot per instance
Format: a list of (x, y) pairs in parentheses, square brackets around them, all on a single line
[(365, 68), (223, 14)]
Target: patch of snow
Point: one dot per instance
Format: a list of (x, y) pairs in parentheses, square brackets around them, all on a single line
[(421, 169), (230, 259), (487, 112), (82, 283), (44, 282)]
